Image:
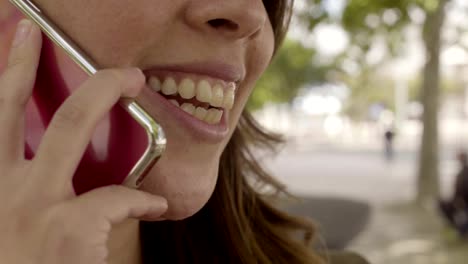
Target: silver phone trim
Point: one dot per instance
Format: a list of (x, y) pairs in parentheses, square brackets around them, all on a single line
[(156, 137)]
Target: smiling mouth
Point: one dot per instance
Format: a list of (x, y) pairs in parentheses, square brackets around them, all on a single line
[(206, 99)]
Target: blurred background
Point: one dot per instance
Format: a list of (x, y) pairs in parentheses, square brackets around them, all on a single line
[(373, 99), (372, 96)]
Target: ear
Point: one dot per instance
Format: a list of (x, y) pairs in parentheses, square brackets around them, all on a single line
[(9, 18)]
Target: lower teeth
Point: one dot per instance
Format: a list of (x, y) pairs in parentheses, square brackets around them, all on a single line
[(211, 115)]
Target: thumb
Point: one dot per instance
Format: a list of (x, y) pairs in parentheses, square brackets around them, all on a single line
[(117, 203)]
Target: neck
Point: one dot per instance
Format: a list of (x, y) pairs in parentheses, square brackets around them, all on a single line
[(124, 243)]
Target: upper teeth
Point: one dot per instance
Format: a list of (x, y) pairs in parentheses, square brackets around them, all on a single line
[(215, 95)]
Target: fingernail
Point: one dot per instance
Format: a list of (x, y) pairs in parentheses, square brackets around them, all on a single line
[(134, 72), (137, 79), (22, 32)]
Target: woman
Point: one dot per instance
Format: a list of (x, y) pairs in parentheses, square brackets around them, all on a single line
[(202, 178), (455, 210)]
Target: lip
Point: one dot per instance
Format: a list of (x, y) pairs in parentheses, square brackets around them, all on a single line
[(172, 117), (217, 70)]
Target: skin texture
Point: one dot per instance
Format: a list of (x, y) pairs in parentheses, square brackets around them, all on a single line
[(143, 34), (155, 33)]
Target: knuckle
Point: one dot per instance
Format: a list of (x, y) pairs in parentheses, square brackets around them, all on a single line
[(19, 66), (113, 190), (14, 97), (14, 88), (70, 115), (13, 102), (59, 219), (16, 63), (114, 77), (66, 220), (64, 237)]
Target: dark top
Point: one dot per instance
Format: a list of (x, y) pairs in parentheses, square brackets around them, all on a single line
[(461, 185)]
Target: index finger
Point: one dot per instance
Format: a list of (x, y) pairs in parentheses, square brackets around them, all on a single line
[(73, 124), (16, 85)]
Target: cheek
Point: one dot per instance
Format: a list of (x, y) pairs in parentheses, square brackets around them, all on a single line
[(258, 58), (120, 26), (262, 54)]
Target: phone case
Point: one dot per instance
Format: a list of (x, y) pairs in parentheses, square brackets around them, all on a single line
[(126, 143)]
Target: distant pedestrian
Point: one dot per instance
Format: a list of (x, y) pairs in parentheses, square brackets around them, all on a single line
[(388, 144), (455, 210)]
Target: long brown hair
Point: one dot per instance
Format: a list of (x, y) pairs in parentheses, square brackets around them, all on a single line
[(238, 224)]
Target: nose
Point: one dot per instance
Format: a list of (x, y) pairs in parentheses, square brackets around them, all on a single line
[(233, 19)]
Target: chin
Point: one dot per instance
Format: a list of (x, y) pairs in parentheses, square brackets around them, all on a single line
[(187, 186)]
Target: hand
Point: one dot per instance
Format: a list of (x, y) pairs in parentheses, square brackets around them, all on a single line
[(41, 218)]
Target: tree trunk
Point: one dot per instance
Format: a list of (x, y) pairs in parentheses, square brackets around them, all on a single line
[(428, 178)]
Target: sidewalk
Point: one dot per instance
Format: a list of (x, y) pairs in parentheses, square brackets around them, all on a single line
[(398, 232), (407, 234)]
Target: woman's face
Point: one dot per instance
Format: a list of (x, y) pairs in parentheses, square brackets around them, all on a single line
[(194, 48)]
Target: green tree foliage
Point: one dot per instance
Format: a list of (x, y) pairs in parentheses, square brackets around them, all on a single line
[(366, 89), (292, 68), (365, 20)]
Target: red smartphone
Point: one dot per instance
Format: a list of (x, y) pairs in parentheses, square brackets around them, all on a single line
[(125, 144)]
